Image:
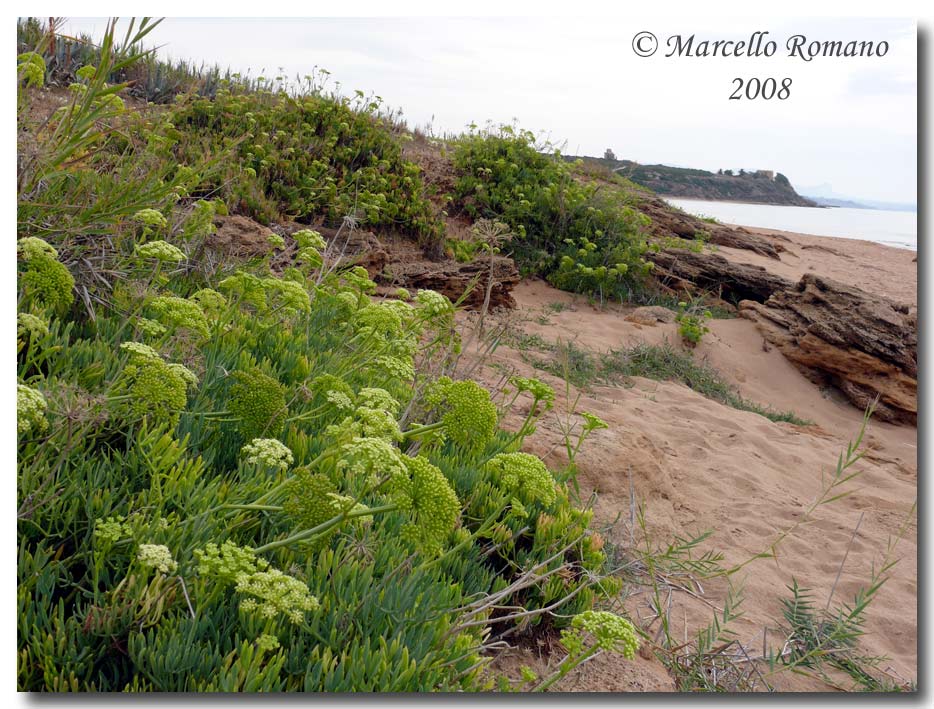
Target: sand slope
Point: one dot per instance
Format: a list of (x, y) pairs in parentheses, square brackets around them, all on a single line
[(697, 465)]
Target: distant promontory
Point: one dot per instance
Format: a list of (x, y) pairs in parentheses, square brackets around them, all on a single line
[(759, 186)]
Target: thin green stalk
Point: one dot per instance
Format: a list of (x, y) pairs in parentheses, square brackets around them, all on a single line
[(324, 527)]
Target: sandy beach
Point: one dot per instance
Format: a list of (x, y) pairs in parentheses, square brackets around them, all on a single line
[(697, 465), (884, 270)]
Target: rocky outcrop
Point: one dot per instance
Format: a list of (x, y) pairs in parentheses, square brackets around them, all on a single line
[(239, 237), (667, 221), (681, 270), (357, 248), (651, 315), (397, 262), (454, 279), (864, 345)]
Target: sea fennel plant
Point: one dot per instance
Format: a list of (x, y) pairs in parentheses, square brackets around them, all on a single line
[(248, 480)]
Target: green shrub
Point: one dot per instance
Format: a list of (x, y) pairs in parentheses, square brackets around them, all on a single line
[(582, 235), (303, 156)]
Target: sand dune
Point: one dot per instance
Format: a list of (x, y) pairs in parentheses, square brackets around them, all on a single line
[(698, 465)]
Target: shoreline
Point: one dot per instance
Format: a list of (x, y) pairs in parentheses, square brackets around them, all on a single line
[(904, 245), (768, 231), (666, 197)]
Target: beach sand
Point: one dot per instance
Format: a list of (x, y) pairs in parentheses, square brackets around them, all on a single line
[(883, 270), (697, 466)]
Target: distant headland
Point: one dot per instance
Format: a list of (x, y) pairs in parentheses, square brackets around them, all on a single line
[(758, 186)]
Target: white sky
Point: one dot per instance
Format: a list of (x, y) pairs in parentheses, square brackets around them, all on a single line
[(849, 123)]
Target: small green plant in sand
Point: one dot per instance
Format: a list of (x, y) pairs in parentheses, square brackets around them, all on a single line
[(692, 323)]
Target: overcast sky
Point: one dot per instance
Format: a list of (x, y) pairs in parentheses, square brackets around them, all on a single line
[(849, 122)]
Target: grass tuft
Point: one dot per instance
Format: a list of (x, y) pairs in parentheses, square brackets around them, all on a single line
[(664, 362)]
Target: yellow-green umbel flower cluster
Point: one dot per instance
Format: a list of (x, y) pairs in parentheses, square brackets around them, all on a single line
[(367, 423), (432, 504), (592, 423), (112, 529), (306, 238), (267, 642), (30, 411), (373, 459), (275, 241), (290, 273), (246, 288), (339, 400), (258, 401), (346, 304), (332, 392), (310, 503), (269, 452), (157, 556), (470, 417), (211, 302), (150, 219), (379, 319), (179, 313), (537, 388), (151, 328), (374, 417), (30, 67), (359, 279), (613, 633), (406, 312), (32, 247), (30, 327), (44, 279), (434, 304), (228, 562), (160, 251), (87, 72), (524, 476), (400, 368), (289, 296), (156, 389), (186, 374), (275, 593), (376, 398)]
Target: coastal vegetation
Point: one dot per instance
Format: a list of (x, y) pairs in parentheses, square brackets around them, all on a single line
[(691, 321), (270, 472), (235, 478), (582, 237)]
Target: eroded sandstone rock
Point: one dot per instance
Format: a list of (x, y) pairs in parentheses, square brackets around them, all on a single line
[(453, 279), (667, 222), (682, 269), (651, 314), (863, 344)]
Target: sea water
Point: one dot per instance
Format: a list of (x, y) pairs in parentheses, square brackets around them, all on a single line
[(891, 228)]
